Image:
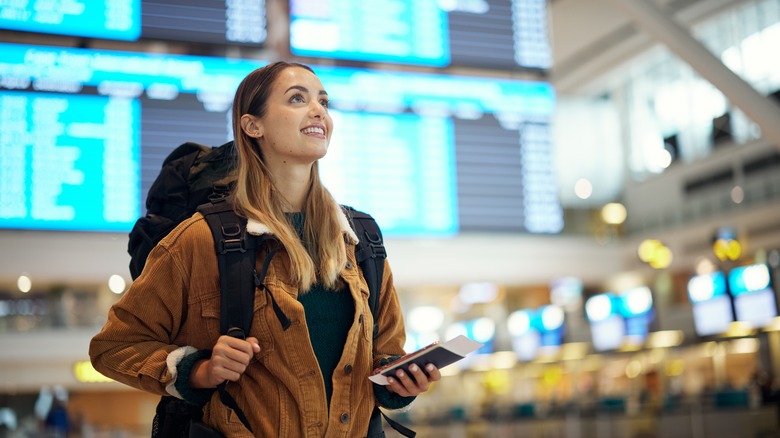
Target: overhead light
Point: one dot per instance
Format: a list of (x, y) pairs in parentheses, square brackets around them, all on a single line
[(583, 188), (84, 372), (24, 283), (614, 213), (738, 329), (664, 339), (116, 284)]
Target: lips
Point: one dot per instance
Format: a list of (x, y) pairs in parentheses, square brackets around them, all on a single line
[(314, 130)]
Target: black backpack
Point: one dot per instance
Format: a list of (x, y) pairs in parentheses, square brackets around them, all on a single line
[(187, 179), (194, 178)]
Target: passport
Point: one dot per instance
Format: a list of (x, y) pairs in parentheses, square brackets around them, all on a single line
[(440, 354)]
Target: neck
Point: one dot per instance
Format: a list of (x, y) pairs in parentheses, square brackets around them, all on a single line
[(293, 183)]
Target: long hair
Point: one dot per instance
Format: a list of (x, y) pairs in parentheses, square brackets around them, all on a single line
[(322, 254)]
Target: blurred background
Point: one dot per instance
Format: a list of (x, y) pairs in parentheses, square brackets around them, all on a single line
[(591, 188)]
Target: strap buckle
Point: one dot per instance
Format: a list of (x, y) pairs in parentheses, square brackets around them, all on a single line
[(233, 240), (219, 193), (232, 245), (375, 243)]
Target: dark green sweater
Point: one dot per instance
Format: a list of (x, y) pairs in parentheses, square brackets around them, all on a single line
[(329, 315)]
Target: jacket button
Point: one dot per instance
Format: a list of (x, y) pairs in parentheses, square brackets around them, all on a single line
[(345, 417), (349, 265), (348, 369)]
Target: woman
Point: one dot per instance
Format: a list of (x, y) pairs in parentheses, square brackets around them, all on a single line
[(310, 379)]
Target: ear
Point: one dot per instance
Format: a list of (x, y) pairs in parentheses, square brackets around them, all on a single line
[(252, 126)]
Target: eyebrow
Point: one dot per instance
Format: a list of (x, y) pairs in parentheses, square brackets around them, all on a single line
[(305, 90)]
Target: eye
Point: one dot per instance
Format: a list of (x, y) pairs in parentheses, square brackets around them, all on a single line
[(325, 103), (297, 98)]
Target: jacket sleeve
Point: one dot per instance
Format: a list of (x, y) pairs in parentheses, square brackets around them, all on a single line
[(389, 341), (136, 345)]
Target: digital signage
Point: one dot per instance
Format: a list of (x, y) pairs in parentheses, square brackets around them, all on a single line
[(607, 324), (438, 33), (241, 22), (712, 309), (754, 295), (426, 154), (532, 330), (109, 19)]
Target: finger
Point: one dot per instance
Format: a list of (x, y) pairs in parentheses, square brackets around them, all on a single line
[(238, 344), (218, 373), (227, 356), (254, 343), (434, 375), (419, 377), (233, 349), (231, 375), (394, 385), (406, 381)]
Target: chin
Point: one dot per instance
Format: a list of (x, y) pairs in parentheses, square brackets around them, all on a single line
[(320, 151)]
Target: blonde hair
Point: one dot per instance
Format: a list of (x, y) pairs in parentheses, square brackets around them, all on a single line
[(322, 254)]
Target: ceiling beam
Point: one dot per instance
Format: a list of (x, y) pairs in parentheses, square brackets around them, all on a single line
[(759, 108)]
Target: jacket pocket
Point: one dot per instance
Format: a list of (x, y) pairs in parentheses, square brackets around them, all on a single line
[(210, 311)]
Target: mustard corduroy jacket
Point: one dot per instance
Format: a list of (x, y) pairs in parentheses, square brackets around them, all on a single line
[(172, 310)]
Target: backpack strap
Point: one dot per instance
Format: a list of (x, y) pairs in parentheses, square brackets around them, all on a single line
[(370, 255), (236, 255)]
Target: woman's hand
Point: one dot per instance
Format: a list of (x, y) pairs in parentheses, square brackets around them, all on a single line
[(419, 381), (228, 361)]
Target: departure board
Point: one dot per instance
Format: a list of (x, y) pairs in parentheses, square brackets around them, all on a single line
[(417, 156), (83, 134), (110, 19), (480, 33), (240, 22), (205, 21), (68, 161)]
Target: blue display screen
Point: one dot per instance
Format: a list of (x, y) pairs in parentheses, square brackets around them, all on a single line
[(212, 21), (609, 333), (748, 279), (110, 19), (631, 310), (69, 162), (705, 287), (482, 33), (755, 300), (425, 154), (712, 306), (407, 31), (406, 185), (545, 328)]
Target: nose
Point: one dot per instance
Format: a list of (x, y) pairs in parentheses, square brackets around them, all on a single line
[(316, 109)]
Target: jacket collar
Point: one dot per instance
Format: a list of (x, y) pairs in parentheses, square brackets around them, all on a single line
[(257, 228)]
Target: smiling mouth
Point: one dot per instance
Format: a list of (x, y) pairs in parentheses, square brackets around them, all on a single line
[(313, 130)]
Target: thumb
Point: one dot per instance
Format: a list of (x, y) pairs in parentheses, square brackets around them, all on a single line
[(255, 344)]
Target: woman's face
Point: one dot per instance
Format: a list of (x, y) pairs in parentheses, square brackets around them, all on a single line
[(296, 127)]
